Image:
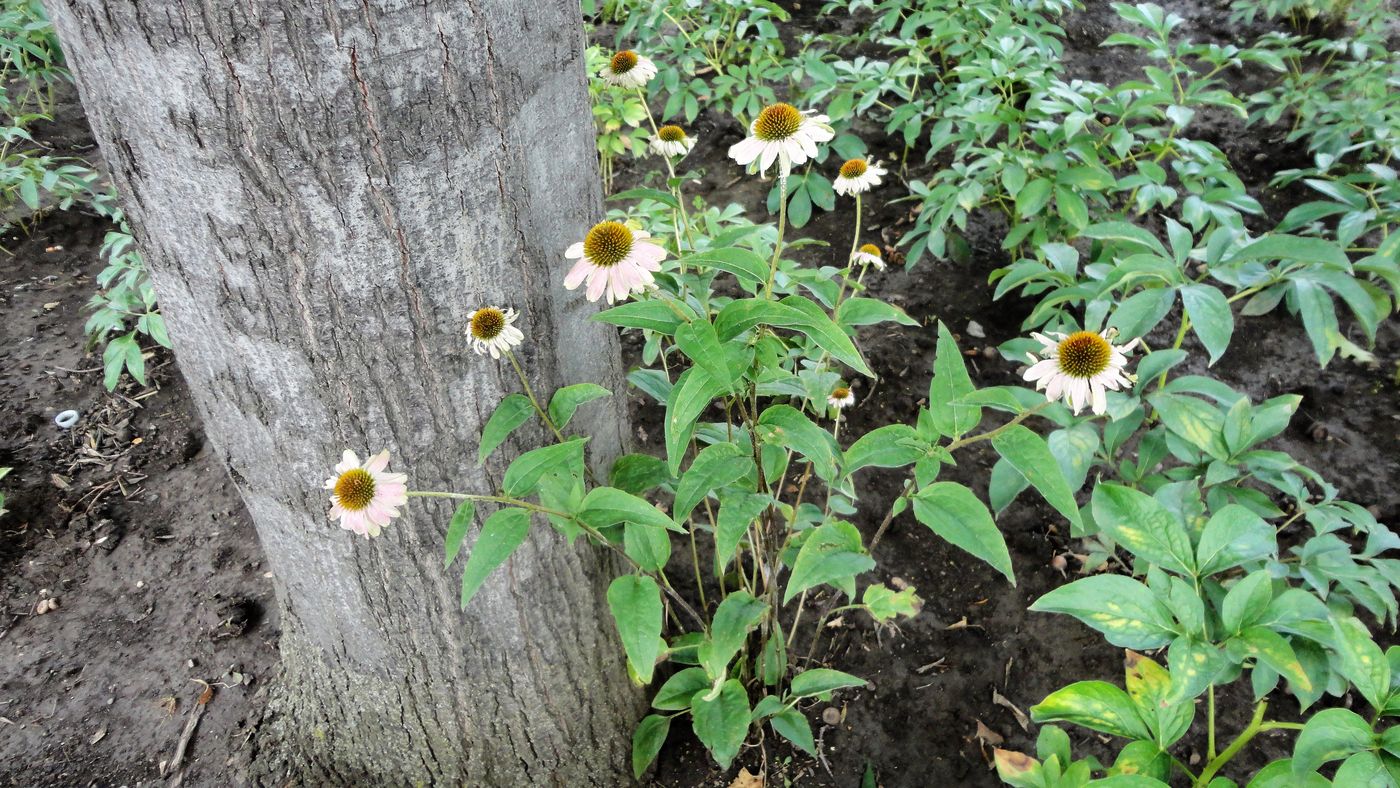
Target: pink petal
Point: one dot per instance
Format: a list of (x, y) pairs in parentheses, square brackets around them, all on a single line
[(577, 274), (574, 251)]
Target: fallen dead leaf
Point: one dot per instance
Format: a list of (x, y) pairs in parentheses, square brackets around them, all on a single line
[(960, 624), (1021, 718), (52, 305), (99, 736), (988, 736), (745, 779)]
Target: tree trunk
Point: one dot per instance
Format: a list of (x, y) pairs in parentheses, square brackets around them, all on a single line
[(323, 191)]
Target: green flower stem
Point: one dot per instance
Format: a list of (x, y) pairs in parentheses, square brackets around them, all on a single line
[(855, 244), (1256, 726), (1210, 723), (778, 246), (1180, 337), (529, 392)]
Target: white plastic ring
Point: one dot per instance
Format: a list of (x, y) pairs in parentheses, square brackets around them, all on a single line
[(66, 419)]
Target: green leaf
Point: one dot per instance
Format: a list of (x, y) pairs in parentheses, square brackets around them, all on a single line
[(1210, 317), (698, 340), (692, 394), (1194, 665), (1145, 527), (1329, 735), (654, 315), (858, 311), (1292, 247), (786, 426), (649, 547), (1142, 760), (1149, 686), (647, 741), (566, 401), (953, 512), (826, 334), (818, 681), (1247, 601), (502, 532), (1072, 207), (884, 604), (457, 530), (1124, 610), (722, 722), (950, 384), (1234, 536), (793, 726), (124, 352), (1033, 197), (742, 314), (890, 446), (736, 512), (1031, 456), (635, 602), (1368, 769), (1361, 662), (714, 467), (678, 690), (750, 268), (1123, 232), (514, 410), (735, 617), (524, 474), (665, 198), (1199, 423), (637, 473), (604, 506), (1270, 648), (832, 554), (1096, 705)]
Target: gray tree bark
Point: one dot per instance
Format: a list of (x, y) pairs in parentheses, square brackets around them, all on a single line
[(323, 191)]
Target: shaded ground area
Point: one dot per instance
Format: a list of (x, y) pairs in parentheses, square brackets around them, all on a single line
[(130, 523)]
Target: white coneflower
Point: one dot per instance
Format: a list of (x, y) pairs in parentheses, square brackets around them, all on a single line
[(365, 498), (840, 397), (868, 254), (1080, 367), (671, 141), (615, 260), (493, 330), (627, 69), (858, 176), (783, 134)]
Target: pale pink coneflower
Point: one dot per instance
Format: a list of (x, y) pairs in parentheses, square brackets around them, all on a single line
[(615, 260), (365, 497)]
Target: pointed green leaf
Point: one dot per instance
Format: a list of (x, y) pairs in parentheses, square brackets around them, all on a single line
[(502, 532), (953, 512), (635, 603)]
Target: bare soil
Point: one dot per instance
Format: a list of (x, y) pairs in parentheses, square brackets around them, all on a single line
[(128, 519)]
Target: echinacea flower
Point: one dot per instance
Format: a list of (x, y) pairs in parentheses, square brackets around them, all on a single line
[(627, 69), (868, 254), (364, 497), (671, 141), (493, 330), (615, 259), (858, 176), (783, 134), (1080, 367), (840, 397)]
